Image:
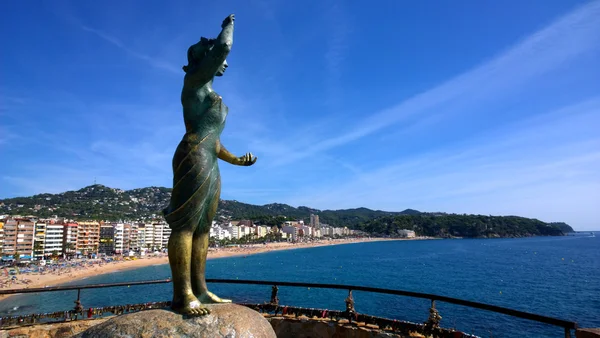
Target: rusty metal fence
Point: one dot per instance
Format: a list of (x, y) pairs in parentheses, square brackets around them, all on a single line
[(430, 326)]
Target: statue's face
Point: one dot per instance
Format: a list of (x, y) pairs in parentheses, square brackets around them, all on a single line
[(221, 69)]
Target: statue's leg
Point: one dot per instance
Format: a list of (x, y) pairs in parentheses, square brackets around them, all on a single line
[(199, 253), (180, 253)]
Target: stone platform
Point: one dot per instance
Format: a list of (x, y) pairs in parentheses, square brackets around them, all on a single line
[(225, 320)]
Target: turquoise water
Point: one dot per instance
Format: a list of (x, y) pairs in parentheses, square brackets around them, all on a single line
[(553, 276)]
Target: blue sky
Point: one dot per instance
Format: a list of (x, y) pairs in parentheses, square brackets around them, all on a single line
[(488, 107)]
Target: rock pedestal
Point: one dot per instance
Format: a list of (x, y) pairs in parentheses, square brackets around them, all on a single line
[(225, 320)]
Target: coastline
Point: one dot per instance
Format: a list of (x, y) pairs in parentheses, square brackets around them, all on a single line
[(46, 280)]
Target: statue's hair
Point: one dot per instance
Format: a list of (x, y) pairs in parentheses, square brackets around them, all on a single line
[(198, 51)]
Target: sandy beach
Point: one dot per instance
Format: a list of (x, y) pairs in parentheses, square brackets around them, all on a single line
[(37, 280)]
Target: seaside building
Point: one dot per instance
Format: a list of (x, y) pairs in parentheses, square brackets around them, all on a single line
[(245, 230), (39, 240), (221, 233), (88, 237), (133, 237), (234, 230), (141, 235), (314, 221), (107, 240), (1, 236), (19, 234), (70, 238), (127, 238), (157, 241), (318, 233), (53, 242), (245, 222), (335, 231), (290, 231), (306, 231), (149, 236), (9, 243), (261, 231), (119, 237), (166, 235), (406, 233)]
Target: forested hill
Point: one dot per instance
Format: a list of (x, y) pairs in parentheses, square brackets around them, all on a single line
[(104, 203), (473, 226)]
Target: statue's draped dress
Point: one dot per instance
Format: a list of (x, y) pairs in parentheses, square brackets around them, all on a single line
[(196, 178)]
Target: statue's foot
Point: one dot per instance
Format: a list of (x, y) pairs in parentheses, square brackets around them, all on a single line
[(209, 297), (190, 306)]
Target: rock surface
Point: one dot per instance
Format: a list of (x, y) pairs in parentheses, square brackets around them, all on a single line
[(288, 327), (225, 320)]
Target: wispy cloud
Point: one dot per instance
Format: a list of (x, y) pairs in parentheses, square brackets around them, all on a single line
[(565, 39), (155, 62), (521, 169)]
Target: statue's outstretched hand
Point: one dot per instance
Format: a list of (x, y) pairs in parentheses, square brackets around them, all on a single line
[(247, 160), (228, 20)]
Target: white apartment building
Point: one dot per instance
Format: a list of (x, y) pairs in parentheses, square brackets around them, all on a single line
[(119, 237), (53, 240), (245, 231), (317, 233), (158, 238), (149, 236), (261, 231), (218, 232), (307, 231), (141, 236), (234, 230), (290, 231), (165, 235)]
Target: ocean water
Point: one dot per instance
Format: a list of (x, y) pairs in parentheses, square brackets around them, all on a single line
[(553, 276)]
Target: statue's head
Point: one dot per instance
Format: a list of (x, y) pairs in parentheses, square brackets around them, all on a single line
[(198, 51)]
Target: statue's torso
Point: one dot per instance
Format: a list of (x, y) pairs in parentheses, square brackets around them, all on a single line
[(203, 111)]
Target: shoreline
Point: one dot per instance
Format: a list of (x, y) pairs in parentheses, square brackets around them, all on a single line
[(48, 279)]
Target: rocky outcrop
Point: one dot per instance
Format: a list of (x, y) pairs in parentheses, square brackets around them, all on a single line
[(225, 320), (163, 323)]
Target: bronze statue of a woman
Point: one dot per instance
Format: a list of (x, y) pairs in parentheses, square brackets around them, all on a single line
[(196, 178)]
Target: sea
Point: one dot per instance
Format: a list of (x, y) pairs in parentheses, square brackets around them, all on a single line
[(551, 276)]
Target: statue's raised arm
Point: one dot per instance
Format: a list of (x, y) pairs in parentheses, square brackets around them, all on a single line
[(212, 52)]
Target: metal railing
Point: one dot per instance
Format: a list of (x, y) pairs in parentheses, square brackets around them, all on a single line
[(431, 324)]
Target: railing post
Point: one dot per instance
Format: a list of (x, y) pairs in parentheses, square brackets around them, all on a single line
[(567, 332), (350, 306), (78, 306), (433, 322), (274, 298)]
